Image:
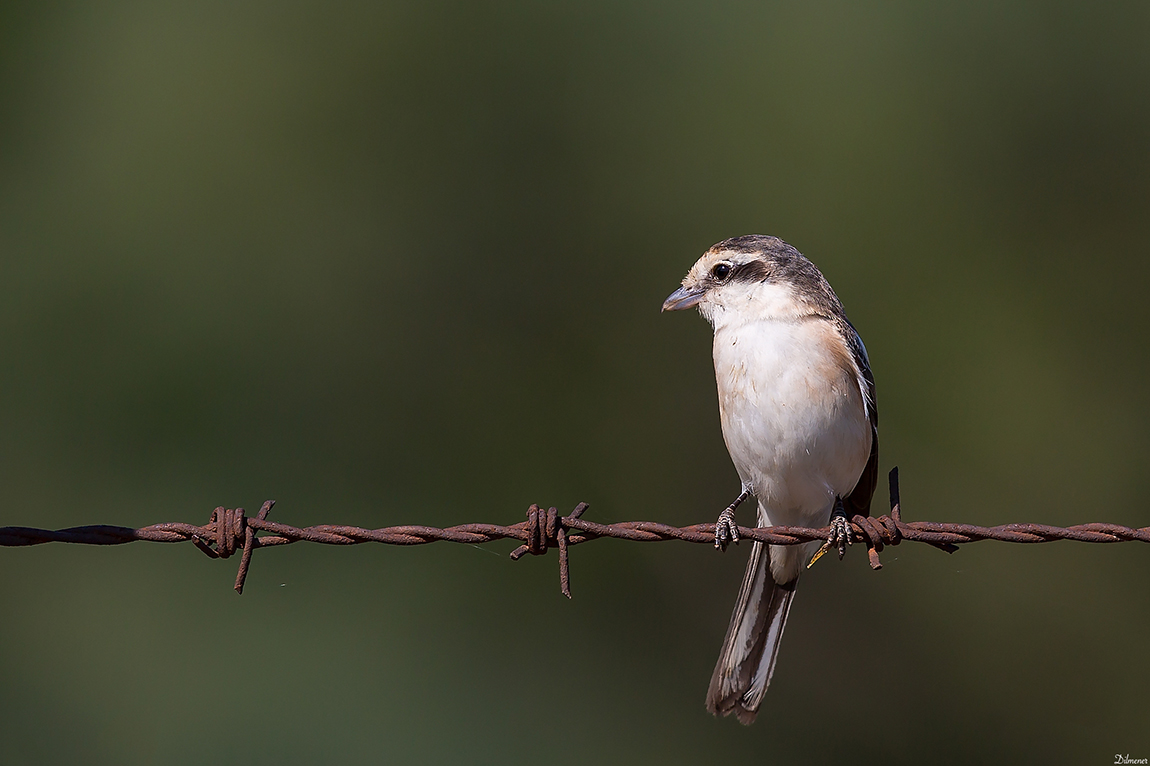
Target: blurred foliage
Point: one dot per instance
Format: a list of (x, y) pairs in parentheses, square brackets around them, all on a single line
[(402, 263)]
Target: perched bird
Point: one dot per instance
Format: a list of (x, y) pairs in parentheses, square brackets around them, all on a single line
[(797, 407)]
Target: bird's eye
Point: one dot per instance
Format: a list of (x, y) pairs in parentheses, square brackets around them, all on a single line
[(721, 271)]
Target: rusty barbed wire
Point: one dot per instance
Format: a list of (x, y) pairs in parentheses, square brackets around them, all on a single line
[(229, 530)]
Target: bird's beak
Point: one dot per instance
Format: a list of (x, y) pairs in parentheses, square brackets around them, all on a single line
[(683, 298)]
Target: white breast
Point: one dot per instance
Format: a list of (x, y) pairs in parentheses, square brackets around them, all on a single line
[(792, 414)]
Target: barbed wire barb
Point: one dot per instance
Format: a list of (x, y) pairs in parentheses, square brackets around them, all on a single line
[(229, 530)]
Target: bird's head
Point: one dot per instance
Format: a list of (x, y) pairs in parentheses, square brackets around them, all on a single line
[(751, 278)]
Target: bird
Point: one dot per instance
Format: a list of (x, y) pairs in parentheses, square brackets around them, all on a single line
[(799, 417)]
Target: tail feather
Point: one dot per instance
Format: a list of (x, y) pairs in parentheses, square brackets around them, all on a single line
[(751, 646)]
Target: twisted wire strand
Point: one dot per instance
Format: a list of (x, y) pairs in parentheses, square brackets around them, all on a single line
[(229, 530)]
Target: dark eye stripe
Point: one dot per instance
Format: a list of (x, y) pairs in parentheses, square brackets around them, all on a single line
[(751, 271)]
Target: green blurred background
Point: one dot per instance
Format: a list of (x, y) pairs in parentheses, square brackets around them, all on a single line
[(402, 263)]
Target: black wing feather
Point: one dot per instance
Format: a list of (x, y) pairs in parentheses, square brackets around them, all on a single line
[(859, 499)]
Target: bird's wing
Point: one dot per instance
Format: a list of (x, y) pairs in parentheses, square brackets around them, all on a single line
[(858, 501)]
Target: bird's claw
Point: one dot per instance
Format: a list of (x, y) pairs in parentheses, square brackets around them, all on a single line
[(839, 538), (726, 530)]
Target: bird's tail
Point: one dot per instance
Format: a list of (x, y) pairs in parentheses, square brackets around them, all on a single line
[(747, 661)]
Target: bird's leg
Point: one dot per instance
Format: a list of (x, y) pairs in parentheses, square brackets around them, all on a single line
[(726, 530), (840, 536), (840, 529)]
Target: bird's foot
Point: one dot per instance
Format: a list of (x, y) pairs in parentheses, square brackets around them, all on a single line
[(840, 537), (726, 529)]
